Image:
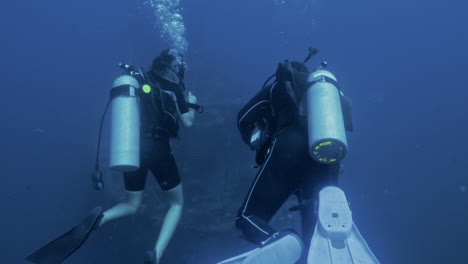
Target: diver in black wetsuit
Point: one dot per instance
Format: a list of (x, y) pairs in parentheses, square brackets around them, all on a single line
[(162, 108), (274, 124), (288, 169)]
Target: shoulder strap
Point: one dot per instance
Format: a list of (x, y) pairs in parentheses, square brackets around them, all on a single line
[(285, 85)]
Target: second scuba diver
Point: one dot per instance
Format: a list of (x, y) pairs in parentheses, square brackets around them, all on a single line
[(162, 108), (274, 123)]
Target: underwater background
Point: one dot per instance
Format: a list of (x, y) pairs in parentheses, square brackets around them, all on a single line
[(403, 63)]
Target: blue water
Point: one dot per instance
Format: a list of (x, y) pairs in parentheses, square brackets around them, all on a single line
[(403, 63)]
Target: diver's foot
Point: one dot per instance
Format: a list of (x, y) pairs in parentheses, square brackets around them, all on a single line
[(285, 248), (150, 257)]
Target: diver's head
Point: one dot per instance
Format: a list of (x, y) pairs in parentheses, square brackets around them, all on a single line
[(169, 65)]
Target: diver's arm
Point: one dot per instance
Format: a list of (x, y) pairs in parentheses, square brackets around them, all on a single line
[(187, 118)]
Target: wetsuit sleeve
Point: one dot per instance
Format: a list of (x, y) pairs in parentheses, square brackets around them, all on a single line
[(181, 103)]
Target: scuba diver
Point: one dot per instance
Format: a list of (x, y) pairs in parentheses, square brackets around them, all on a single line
[(297, 127), (143, 121)]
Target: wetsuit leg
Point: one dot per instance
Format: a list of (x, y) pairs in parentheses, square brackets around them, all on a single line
[(276, 180), (156, 156), (163, 165), (135, 180)]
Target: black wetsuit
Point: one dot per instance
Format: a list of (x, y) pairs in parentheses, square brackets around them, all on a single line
[(159, 113), (287, 169)]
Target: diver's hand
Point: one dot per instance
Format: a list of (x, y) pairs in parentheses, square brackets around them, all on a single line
[(191, 98), (187, 118)]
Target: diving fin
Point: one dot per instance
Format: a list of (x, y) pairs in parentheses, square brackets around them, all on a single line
[(336, 239), (287, 249), (62, 247), (238, 259)]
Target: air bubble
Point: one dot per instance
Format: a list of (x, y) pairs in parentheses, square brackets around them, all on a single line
[(170, 23)]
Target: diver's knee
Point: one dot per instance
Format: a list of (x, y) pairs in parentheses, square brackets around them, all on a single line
[(240, 222), (175, 196), (177, 203), (135, 207), (134, 200)]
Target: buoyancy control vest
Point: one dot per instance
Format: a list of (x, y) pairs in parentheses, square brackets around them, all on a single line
[(277, 106), (274, 107), (160, 110)]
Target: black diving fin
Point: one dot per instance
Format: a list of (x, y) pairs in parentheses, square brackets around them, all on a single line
[(62, 247)]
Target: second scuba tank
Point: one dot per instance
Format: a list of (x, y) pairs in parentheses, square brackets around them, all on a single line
[(327, 138), (125, 124)]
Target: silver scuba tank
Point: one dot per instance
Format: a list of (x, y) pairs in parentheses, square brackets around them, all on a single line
[(327, 138), (125, 125)]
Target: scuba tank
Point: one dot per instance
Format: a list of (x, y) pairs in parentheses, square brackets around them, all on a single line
[(326, 125), (125, 124), (296, 91)]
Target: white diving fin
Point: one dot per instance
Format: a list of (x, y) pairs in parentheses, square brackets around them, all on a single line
[(286, 250), (238, 259), (336, 239)]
